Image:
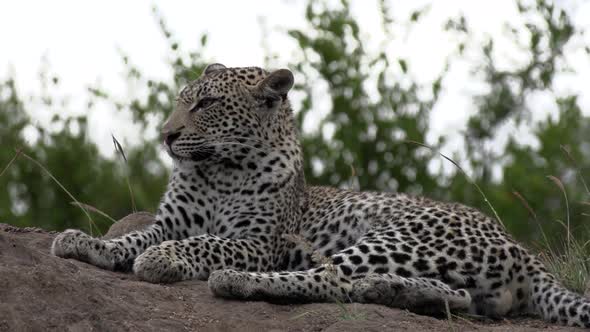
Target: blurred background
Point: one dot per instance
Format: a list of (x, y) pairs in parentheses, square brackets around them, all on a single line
[(484, 103)]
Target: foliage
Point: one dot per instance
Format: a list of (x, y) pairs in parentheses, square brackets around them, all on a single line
[(504, 104), (367, 144), (32, 198)]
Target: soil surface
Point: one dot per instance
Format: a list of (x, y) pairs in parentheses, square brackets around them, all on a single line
[(39, 292)]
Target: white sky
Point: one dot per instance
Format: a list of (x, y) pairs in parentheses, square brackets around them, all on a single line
[(80, 39)]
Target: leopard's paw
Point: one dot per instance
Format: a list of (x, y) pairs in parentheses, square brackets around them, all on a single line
[(159, 265), (78, 245), (230, 284), (376, 289)]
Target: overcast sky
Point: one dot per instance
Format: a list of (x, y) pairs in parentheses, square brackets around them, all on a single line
[(80, 39)]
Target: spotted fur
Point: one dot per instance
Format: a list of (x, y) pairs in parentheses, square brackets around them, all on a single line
[(238, 187)]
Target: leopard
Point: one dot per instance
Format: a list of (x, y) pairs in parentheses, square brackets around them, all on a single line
[(238, 213)]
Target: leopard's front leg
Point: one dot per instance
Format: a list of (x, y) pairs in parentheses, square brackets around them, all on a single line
[(116, 254), (77, 245), (198, 256)]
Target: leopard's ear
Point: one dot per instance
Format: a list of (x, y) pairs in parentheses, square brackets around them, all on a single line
[(213, 68), (271, 92), (277, 83)]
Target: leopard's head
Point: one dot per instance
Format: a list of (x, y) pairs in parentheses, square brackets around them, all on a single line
[(235, 114)]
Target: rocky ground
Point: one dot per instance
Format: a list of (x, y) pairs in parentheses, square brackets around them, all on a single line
[(39, 292)]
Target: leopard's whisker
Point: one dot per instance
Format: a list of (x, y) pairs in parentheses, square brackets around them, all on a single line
[(238, 144)]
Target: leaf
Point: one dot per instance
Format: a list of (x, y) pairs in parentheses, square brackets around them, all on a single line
[(119, 148), (403, 65)]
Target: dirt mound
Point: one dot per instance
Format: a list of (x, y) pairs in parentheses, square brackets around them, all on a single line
[(39, 292)]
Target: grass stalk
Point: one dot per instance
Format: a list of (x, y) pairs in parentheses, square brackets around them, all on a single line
[(469, 179), (578, 170), (560, 185), (16, 155), (121, 153), (38, 164), (449, 317), (93, 209)]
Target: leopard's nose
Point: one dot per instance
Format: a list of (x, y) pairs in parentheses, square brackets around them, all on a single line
[(169, 138)]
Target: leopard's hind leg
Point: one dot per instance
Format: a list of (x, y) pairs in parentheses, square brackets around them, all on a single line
[(420, 295), (327, 284), (315, 285)]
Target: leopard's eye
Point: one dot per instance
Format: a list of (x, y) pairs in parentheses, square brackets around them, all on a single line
[(204, 103)]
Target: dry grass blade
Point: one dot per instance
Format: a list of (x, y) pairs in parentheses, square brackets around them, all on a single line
[(469, 179), (351, 183), (16, 155), (449, 317), (350, 314), (93, 209), (557, 182), (560, 185), (352, 171), (133, 206), (119, 149), (578, 170), (303, 314), (464, 320), (525, 204), (33, 160), (316, 257), (571, 267)]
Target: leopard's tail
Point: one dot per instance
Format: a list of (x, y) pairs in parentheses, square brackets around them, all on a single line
[(550, 299)]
